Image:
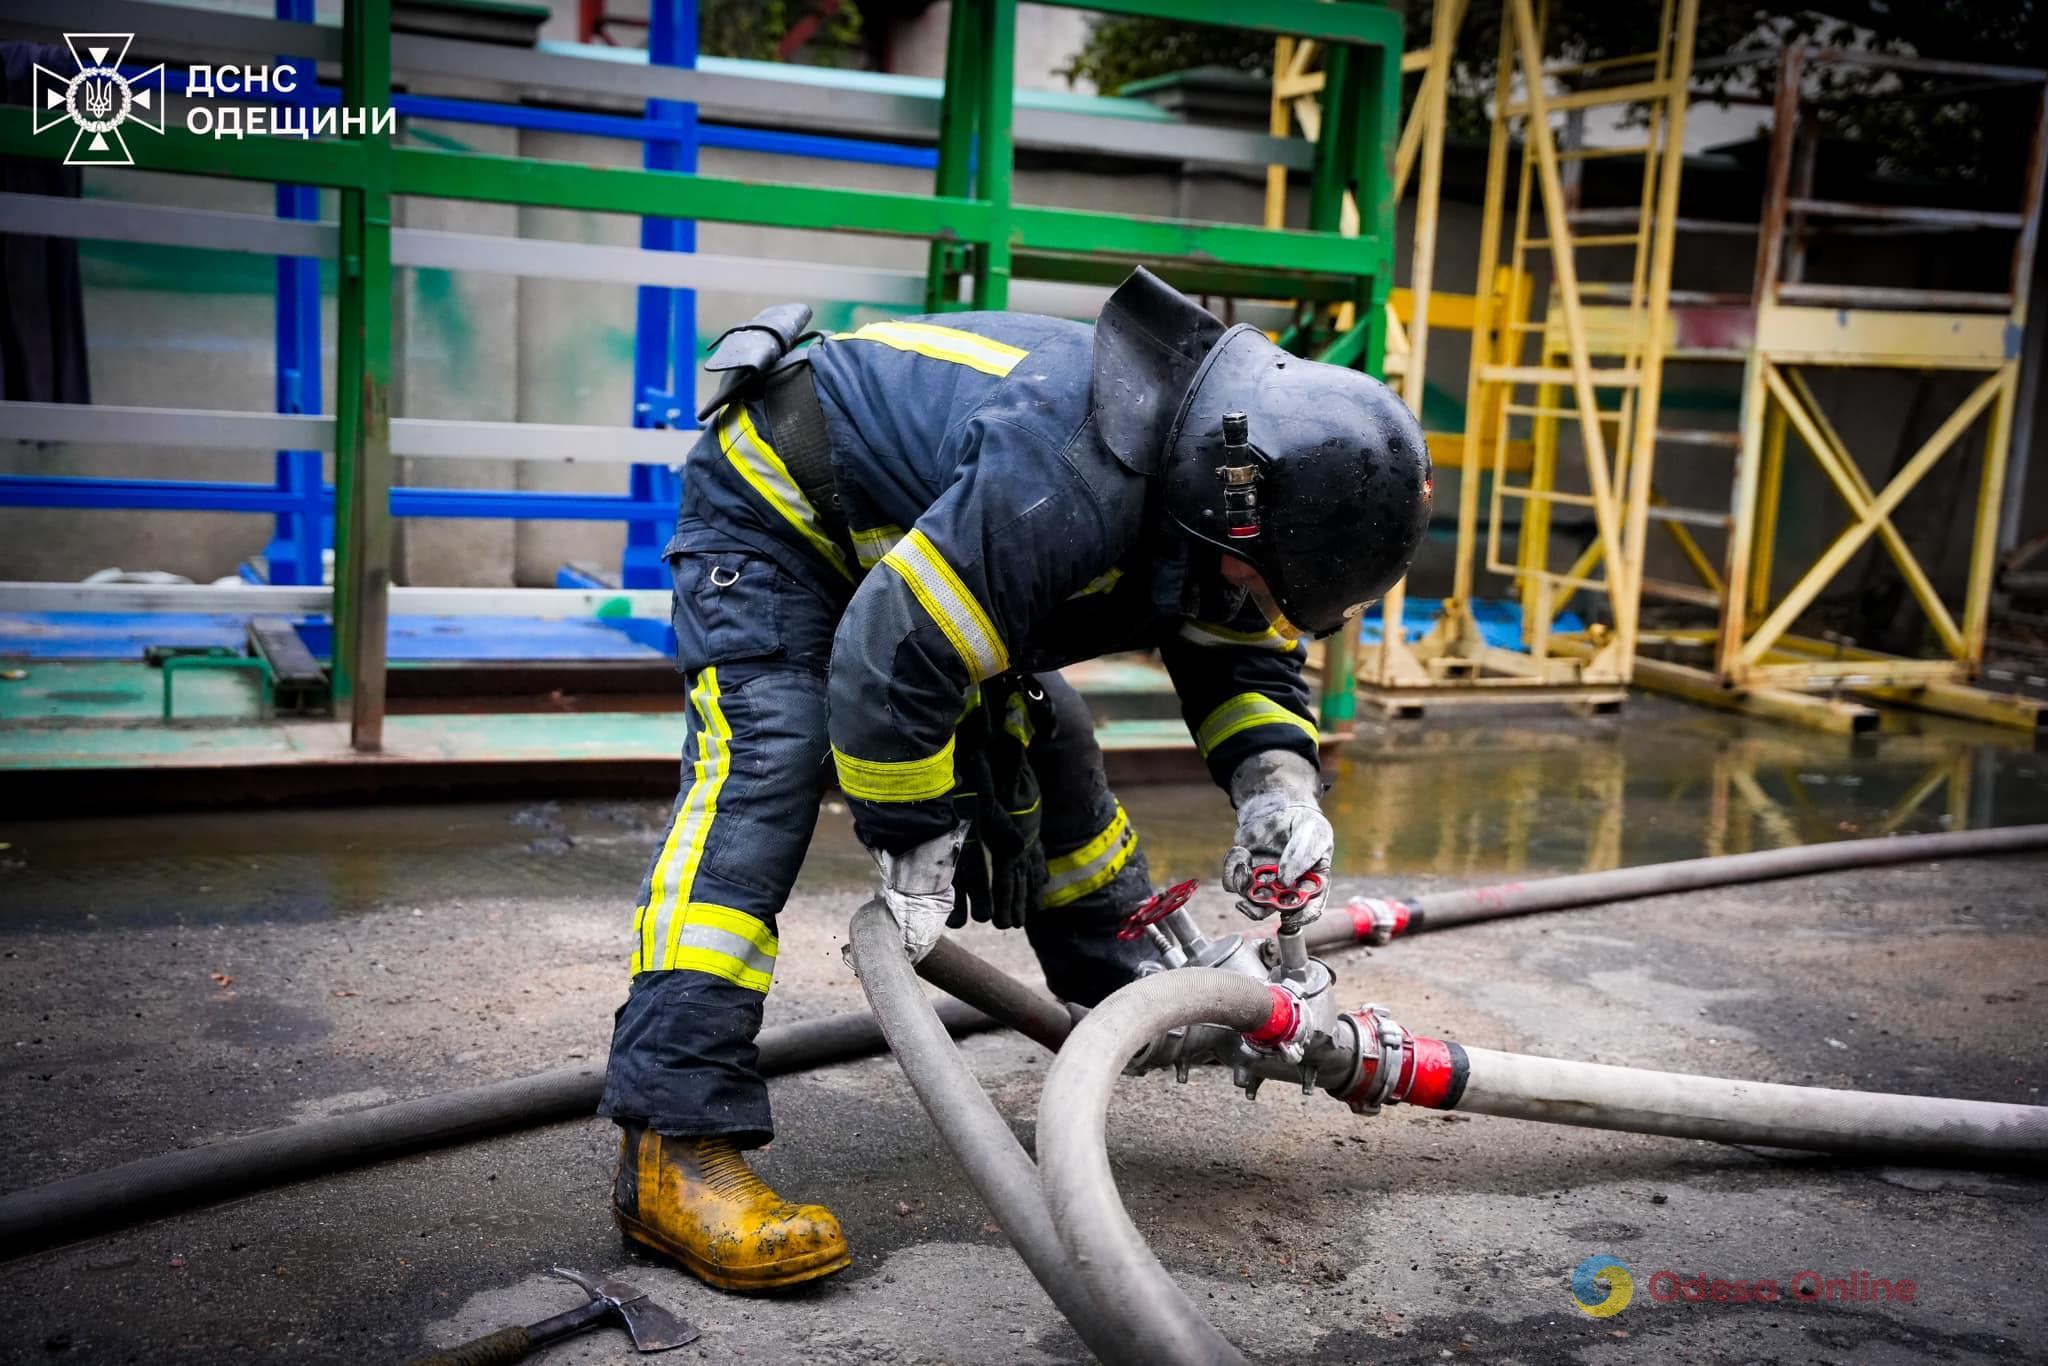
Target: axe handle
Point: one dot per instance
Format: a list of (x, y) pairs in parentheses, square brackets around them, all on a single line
[(507, 1344), (513, 1344)]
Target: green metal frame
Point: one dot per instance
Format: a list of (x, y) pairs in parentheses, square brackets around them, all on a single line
[(979, 235), (266, 677)]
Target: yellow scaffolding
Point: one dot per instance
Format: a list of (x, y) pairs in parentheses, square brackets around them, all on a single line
[(1563, 410), (1494, 320), (1624, 276), (1602, 388)]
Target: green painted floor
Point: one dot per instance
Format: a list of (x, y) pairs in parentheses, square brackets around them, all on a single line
[(119, 692), (109, 715)]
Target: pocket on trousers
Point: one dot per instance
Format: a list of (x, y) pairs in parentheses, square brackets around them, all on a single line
[(728, 608)]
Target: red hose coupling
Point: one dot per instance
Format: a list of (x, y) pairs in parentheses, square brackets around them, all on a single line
[(1432, 1073), (1283, 1025), (1379, 1042), (1396, 1066), (1375, 920)]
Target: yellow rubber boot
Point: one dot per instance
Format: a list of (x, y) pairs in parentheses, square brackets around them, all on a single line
[(697, 1201)]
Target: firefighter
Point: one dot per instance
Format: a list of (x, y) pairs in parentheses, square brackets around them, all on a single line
[(889, 540)]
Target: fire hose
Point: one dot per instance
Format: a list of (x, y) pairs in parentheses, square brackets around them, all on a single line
[(1264, 1009), (1371, 920), (79, 1206), (996, 1163)]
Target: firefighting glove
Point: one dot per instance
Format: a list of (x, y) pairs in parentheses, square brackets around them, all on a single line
[(917, 887), (1002, 872), (1002, 869), (1279, 820)]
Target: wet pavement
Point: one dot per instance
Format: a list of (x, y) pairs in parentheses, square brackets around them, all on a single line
[(173, 980)]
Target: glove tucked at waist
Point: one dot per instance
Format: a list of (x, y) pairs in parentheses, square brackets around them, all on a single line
[(1002, 866), (917, 887), (1281, 821)]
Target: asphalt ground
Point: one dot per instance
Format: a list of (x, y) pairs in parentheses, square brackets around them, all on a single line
[(176, 980)]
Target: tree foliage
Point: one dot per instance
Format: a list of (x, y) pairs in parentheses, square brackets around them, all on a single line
[(1124, 49), (1907, 126), (756, 28)]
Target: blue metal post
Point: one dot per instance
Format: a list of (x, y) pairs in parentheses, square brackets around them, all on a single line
[(665, 341), (303, 531)]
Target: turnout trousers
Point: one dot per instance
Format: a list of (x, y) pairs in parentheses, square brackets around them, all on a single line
[(753, 643)]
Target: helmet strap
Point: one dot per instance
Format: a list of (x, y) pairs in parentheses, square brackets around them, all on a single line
[(1210, 596)]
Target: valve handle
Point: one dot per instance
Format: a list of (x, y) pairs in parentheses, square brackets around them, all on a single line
[(1156, 908), (1267, 892)]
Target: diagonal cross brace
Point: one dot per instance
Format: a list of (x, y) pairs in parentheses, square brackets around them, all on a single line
[(1852, 538), (1803, 410)]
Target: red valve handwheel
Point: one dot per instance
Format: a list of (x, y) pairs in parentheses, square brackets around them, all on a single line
[(1156, 908), (1268, 892)]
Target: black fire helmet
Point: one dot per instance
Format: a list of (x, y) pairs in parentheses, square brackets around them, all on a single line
[(1315, 475)]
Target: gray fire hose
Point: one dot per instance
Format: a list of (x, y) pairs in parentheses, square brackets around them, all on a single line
[(1725, 1110), (1105, 1244), (995, 1162), (63, 1211), (1439, 910), (1073, 1153)]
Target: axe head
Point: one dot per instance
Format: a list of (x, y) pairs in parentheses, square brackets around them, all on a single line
[(653, 1328)]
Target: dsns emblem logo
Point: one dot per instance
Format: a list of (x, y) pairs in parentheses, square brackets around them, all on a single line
[(99, 99), (1601, 1286)]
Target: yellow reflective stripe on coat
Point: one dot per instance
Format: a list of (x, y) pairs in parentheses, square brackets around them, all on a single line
[(949, 604), (895, 780), (764, 471), (1093, 866), (726, 943), (1209, 633), (985, 354), (871, 544), (1241, 713), (658, 925)]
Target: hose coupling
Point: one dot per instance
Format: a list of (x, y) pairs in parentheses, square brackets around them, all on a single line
[(1289, 1024), (1393, 1066), (1376, 920)]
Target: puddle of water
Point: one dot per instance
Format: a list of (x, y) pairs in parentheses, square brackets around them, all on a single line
[(1451, 798), (1660, 782)]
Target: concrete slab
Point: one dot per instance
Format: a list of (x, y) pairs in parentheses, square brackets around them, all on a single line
[(179, 979)]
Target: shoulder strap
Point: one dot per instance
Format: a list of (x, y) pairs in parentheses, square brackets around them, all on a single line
[(797, 425)]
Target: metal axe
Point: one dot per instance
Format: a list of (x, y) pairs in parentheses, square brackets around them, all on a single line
[(653, 1328)]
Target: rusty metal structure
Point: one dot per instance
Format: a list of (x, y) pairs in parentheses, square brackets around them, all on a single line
[(1794, 326)]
